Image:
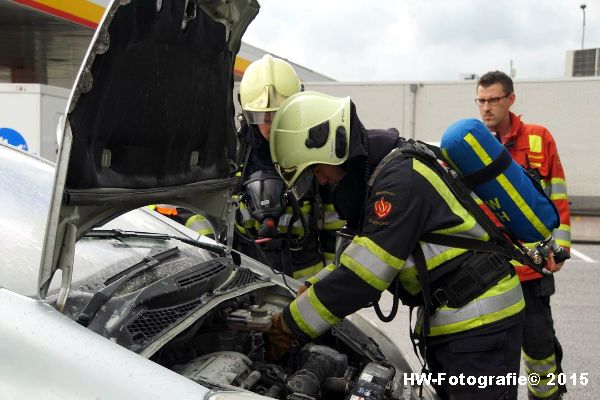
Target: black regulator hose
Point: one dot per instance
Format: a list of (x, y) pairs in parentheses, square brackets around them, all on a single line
[(394, 310)]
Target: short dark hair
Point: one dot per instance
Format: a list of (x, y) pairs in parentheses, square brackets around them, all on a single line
[(489, 78)]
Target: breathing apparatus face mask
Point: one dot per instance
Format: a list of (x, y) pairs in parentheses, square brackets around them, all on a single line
[(265, 201)]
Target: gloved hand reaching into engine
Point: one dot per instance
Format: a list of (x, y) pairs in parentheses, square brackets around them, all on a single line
[(279, 338)]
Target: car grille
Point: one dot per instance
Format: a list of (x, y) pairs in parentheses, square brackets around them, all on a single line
[(150, 323), (217, 267), (242, 278)]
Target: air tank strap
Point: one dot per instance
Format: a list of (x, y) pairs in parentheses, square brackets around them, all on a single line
[(490, 171)]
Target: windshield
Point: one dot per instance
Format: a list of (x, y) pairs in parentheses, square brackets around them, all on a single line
[(25, 191), (100, 258)]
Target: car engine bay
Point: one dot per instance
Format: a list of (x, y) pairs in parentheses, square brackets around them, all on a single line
[(207, 320), (226, 350)]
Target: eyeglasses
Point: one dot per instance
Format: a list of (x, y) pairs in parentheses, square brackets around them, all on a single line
[(491, 101)]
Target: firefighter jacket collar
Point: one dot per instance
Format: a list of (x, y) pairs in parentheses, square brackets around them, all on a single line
[(350, 191), (357, 148), (380, 141), (515, 126)]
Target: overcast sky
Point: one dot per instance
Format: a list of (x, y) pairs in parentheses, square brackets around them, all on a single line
[(398, 40)]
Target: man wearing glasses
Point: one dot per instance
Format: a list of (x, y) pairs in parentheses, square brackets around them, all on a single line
[(534, 148)]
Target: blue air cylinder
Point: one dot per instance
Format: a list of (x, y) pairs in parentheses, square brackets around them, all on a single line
[(504, 186)]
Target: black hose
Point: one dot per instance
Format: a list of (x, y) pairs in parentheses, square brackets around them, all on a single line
[(394, 310), (262, 256)]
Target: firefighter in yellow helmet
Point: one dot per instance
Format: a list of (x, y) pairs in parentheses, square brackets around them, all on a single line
[(265, 85), (394, 193), (295, 236)]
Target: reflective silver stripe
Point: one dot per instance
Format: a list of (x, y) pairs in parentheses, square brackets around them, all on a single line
[(329, 268), (331, 216), (285, 219), (245, 214), (371, 262), (430, 251), (477, 308), (476, 232), (433, 250), (541, 369), (322, 273), (542, 388), (329, 258), (305, 273), (556, 188), (410, 263), (561, 234), (310, 316)]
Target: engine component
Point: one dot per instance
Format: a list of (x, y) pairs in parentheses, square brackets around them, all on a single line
[(340, 384), (373, 382), (253, 319), (251, 380), (316, 363), (273, 392), (223, 367)]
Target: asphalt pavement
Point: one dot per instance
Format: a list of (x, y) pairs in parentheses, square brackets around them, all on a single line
[(576, 312)]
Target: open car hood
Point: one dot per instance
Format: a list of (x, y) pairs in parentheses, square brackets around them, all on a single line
[(149, 119)]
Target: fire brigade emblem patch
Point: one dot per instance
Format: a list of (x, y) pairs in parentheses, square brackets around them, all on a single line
[(382, 208)]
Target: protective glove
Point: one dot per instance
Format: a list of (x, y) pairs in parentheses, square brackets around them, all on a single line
[(279, 339), (551, 265), (301, 290)]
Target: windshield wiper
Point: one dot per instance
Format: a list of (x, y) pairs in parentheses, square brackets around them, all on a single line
[(118, 233), (115, 282)]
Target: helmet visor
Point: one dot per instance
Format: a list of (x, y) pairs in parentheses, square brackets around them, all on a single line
[(259, 117), (303, 183)]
